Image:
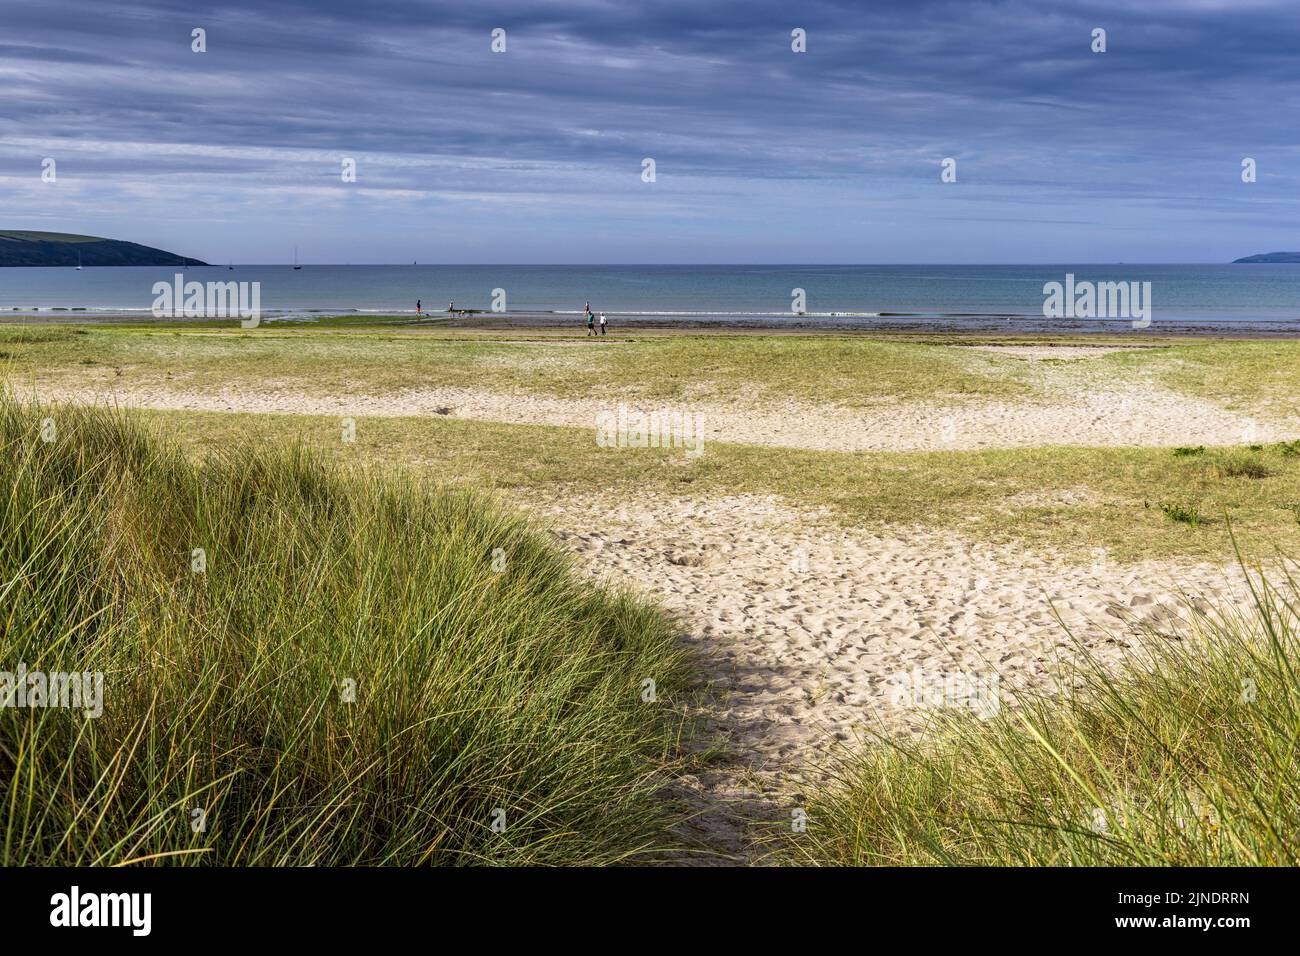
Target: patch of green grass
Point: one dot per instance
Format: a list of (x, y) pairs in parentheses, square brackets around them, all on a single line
[(1186, 758), (1186, 451), (1247, 375), (1243, 464), (844, 370), (39, 335), (334, 665), (1188, 514), (348, 355), (47, 236), (1067, 499)]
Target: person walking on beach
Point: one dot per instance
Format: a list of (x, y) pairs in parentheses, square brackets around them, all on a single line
[(602, 323), (591, 324), (417, 306)]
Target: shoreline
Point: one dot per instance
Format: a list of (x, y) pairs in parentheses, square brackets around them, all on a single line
[(724, 323)]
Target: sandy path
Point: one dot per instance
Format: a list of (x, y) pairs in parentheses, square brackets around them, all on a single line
[(808, 633), (1093, 414)]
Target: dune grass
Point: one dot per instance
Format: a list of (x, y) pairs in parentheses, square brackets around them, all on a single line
[(1189, 757), (354, 668), (1072, 500)]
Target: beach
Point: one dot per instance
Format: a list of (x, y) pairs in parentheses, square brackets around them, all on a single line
[(973, 511), (617, 436)]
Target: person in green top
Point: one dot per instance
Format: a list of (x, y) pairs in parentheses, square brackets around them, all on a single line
[(591, 324)]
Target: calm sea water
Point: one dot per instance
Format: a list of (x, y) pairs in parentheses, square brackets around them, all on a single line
[(1186, 293)]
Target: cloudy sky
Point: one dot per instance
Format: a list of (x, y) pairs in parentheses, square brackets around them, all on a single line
[(761, 154)]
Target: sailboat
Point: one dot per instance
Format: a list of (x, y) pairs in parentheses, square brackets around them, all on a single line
[(231, 267), (78, 261), (295, 258)]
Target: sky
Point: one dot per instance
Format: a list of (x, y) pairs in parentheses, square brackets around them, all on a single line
[(761, 154)]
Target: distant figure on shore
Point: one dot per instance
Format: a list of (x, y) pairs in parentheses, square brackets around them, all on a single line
[(602, 323), (591, 324), (587, 307), (451, 306), (417, 306)]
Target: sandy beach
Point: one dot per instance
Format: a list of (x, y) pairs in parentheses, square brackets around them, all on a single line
[(810, 636), (814, 639)]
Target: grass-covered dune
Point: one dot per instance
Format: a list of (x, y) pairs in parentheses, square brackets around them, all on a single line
[(355, 670), (1190, 757)]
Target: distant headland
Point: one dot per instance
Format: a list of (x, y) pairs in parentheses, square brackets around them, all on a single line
[(1271, 257), (23, 248)]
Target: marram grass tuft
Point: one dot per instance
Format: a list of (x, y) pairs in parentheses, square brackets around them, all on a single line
[(1188, 756), (304, 665)]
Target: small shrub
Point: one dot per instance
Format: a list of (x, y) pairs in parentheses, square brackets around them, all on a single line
[(1187, 451), (1189, 514)]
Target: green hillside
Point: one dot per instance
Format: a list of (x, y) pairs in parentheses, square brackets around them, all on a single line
[(1271, 257), (26, 248)]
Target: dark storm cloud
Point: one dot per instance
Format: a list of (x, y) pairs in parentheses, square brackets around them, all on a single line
[(712, 91)]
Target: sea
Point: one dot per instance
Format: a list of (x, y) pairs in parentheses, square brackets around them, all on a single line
[(1262, 297)]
